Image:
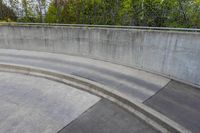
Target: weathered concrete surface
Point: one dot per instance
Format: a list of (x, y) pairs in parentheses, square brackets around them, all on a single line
[(106, 117), (180, 103), (174, 54), (37, 105), (131, 83)]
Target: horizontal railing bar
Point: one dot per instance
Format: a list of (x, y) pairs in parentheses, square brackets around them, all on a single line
[(100, 26)]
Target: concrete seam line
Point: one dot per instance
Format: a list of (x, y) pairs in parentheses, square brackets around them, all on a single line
[(150, 116), (158, 91)]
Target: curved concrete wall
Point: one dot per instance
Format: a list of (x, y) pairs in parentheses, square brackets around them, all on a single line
[(175, 54)]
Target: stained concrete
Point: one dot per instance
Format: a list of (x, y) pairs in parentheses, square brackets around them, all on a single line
[(37, 105), (179, 102), (173, 53), (106, 117), (131, 83)]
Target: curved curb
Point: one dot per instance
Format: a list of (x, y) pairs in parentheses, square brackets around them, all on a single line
[(150, 116)]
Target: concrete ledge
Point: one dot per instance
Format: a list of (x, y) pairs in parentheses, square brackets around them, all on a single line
[(149, 115)]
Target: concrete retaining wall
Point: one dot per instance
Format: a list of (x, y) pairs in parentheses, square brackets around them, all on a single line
[(175, 54)]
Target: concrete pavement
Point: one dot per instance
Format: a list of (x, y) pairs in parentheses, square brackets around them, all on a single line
[(106, 117), (37, 105), (179, 102)]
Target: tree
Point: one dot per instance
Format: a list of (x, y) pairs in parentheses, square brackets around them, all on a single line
[(51, 15), (6, 13), (158, 13)]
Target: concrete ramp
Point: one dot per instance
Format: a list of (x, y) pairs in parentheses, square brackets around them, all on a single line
[(130, 83)]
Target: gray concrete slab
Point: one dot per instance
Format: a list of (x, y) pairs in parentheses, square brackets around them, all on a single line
[(106, 117), (132, 83), (179, 102), (36, 105)]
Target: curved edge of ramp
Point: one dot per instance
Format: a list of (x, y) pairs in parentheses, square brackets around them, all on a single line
[(150, 116)]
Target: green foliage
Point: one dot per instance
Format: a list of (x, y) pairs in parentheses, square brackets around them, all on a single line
[(6, 13), (182, 13), (51, 16), (158, 13), (71, 12)]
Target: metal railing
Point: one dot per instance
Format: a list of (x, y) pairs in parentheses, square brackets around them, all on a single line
[(99, 26)]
